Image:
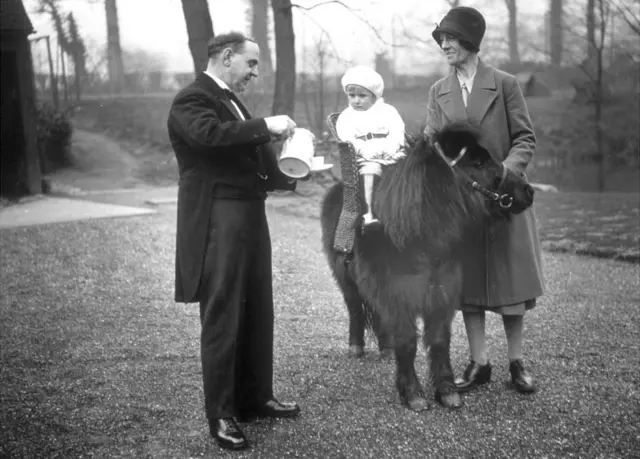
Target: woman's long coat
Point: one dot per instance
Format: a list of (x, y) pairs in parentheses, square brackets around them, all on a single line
[(503, 266)]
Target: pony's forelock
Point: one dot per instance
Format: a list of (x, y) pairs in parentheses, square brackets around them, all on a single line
[(462, 132)]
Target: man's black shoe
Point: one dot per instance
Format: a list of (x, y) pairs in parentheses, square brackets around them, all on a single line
[(228, 433), (270, 409)]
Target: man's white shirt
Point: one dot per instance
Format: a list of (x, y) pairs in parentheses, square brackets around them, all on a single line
[(224, 85)]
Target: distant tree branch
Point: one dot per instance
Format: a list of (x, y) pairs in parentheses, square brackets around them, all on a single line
[(324, 31), (328, 2), (371, 27), (630, 17), (414, 38)]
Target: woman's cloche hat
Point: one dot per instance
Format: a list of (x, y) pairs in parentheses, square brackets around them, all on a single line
[(466, 24)]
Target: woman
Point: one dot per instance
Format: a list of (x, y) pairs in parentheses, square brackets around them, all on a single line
[(503, 273)]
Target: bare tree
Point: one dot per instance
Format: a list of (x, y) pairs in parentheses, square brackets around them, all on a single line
[(594, 88), (69, 41), (260, 33), (591, 29), (313, 87), (514, 53), (603, 9), (199, 30), (556, 30), (78, 53), (114, 51), (284, 96)]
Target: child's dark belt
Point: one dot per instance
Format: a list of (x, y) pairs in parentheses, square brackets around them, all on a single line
[(370, 136)]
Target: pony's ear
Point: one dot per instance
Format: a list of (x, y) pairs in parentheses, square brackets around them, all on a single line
[(455, 136)]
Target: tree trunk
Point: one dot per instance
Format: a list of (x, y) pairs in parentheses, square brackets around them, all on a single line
[(591, 29), (260, 33), (54, 79), (114, 51), (514, 54), (199, 30), (556, 31), (602, 167), (77, 52), (285, 90), (599, 50)]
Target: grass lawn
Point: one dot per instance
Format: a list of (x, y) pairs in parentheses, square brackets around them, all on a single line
[(603, 225), (96, 360)]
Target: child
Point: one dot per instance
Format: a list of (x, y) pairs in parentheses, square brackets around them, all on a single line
[(375, 128)]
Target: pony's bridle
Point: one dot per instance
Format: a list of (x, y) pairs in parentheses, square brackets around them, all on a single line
[(505, 201)]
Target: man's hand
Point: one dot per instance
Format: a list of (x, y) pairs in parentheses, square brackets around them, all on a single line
[(280, 125)]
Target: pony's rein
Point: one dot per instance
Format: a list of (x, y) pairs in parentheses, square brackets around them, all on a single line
[(505, 201)]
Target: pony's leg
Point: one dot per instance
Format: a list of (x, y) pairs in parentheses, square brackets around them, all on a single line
[(343, 268), (437, 338), (384, 336), (355, 306), (356, 321), (438, 317), (407, 383)]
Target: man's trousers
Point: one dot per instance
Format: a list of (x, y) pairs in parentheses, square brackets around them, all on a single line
[(236, 308)]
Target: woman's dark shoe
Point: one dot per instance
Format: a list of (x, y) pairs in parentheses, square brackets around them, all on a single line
[(227, 433), (521, 378), (474, 375)]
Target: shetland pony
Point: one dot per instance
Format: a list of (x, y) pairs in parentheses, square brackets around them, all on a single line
[(410, 264)]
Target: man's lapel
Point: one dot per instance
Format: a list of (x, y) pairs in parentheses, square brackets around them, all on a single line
[(483, 93), (241, 106), (449, 99), (220, 94), (267, 162)]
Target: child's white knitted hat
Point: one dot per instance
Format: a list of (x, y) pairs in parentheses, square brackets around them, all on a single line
[(365, 77)]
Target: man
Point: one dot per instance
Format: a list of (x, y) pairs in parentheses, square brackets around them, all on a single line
[(503, 270), (223, 249)]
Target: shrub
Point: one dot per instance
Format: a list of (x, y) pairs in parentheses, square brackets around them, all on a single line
[(54, 137)]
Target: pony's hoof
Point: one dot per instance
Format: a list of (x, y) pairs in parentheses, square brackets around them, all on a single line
[(355, 350), (418, 404), (387, 354), (451, 400)]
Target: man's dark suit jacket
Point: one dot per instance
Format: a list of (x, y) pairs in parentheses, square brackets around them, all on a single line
[(219, 156)]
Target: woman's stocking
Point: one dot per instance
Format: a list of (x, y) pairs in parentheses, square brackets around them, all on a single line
[(514, 329), (474, 323), (368, 197)]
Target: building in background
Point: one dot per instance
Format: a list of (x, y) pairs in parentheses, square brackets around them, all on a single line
[(20, 171)]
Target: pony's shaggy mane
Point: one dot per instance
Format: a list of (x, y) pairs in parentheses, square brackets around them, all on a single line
[(424, 181)]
